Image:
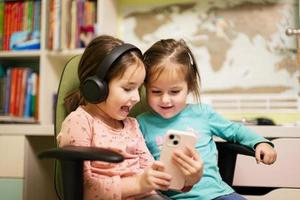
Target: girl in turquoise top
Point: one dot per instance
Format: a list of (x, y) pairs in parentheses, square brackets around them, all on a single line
[(171, 74)]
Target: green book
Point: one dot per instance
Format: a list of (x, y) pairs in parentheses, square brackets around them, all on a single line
[(1, 24), (30, 16)]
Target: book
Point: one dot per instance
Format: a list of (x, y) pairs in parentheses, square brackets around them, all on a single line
[(25, 73), (18, 83), (2, 94), (74, 30), (2, 90), (29, 85), (37, 16), (34, 79), (1, 24), (13, 90), (7, 90), (57, 25)]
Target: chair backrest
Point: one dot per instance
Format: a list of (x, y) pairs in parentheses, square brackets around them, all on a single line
[(69, 81)]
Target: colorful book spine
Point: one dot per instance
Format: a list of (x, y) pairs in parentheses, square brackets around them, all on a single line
[(24, 77), (1, 24), (8, 90), (30, 16), (33, 93), (25, 14), (13, 90), (57, 27), (3, 79), (29, 86), (37, 16), (16, 104)]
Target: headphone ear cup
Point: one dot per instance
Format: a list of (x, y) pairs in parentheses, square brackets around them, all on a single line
[(94, 90)]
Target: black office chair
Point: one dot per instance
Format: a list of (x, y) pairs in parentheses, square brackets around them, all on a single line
[(69, 160)]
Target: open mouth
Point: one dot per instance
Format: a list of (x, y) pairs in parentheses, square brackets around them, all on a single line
[(125, 109)]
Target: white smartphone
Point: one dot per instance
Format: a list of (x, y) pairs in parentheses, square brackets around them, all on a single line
[(175, 140)]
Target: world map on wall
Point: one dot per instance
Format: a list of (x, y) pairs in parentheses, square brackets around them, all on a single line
[(240, 46)]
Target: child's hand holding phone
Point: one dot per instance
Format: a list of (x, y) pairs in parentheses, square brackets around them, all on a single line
[(181, 159), (154, 178), (191, 165)]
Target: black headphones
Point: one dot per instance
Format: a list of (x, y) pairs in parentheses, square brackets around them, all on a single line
[(94, 89)]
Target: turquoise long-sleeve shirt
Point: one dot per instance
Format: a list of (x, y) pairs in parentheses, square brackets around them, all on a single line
[(205, 123)]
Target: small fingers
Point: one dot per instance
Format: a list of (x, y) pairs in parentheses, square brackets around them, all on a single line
[(269, 158), (158, 165), (258, 156), (187, 165), (193, 153), (159, 180), (159, 173), (161, 184)]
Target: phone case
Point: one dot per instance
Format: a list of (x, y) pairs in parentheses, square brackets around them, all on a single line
[(175, 140)]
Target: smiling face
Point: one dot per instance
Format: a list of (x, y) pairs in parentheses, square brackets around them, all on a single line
[(167, 91), (123, 92)]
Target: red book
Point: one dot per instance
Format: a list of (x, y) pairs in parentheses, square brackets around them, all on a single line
[(18, 91), (13, 90), (24, 75)]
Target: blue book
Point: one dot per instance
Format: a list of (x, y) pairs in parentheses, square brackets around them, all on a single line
[(29, 87), (2, 90)]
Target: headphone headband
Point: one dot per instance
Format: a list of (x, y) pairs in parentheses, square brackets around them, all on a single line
[(94, 89), (112, 57)]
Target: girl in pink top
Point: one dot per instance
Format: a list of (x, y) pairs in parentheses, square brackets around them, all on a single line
[(101, 121)]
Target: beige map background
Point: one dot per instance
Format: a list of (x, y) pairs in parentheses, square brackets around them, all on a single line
[(240, 46)]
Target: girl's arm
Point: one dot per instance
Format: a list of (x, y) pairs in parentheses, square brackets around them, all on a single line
[(238, 133), (233, 132), (99, 181)]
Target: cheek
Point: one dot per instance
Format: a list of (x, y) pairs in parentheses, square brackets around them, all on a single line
[(115, 96), (152, 100), (181, 99)]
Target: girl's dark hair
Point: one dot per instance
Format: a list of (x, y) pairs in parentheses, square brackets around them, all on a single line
[(177, 52), (92, 56)]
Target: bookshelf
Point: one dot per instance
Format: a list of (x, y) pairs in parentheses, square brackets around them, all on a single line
[(49, 61), (25, 139)]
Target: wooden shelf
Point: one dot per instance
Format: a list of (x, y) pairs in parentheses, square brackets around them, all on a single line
[(27, 129), (65, 53), (21, 54)]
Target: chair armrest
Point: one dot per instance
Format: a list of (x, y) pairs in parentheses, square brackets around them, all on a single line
[(235, 148), (227, 154), (77, 153)]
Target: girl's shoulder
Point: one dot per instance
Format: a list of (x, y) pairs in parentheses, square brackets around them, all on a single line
[(78, 115), (131, 121), (200, 108), (132, 125)]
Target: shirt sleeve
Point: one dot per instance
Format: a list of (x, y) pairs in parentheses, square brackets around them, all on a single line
[(233, 132), (77, 130)]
